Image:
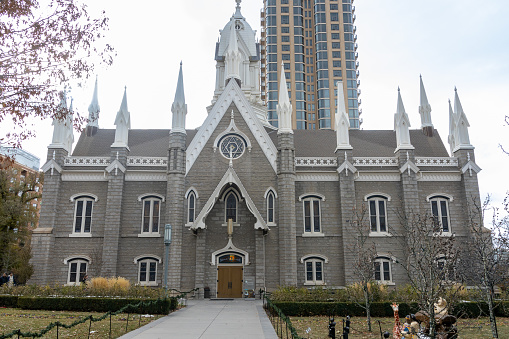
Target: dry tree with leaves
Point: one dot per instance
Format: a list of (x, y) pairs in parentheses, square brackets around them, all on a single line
[(43, 45)]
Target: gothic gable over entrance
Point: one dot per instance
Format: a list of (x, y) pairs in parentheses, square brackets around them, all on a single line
[(229, 178)]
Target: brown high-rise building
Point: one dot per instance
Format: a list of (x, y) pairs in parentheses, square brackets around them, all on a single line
[(316, 41)]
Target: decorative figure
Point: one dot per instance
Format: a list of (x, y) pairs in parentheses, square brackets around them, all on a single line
[(410, 327), (444, 322), (396, 331)]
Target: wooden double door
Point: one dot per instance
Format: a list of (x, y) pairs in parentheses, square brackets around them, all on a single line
[(229, 281)]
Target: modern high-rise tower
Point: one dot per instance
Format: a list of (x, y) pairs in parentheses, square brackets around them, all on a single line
[(316, 42)]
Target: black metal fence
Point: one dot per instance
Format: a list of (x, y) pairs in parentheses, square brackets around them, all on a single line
[(281, 323)]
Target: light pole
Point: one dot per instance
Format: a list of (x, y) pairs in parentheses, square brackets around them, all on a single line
[(167, 242)]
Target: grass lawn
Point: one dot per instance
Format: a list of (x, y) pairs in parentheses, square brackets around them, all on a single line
[(34, 321), (478, 328)]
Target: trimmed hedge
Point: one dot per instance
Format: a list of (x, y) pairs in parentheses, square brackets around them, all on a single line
[(10, 301), (382, 309), (89, 304)]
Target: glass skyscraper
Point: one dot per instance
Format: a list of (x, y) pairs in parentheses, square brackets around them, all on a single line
[(316, 42)]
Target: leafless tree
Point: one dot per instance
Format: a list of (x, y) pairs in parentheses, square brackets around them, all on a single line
[(431, 258), (365, 253), (485, 262)]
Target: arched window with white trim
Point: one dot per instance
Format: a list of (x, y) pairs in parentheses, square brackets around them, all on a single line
[(440, 212), (231, 206), (377, 205), (151, 213), (383, 270), (83, 209), (312, 213), (147, 269), (191, 206), (271, 204), (314, 269), (78, 268)]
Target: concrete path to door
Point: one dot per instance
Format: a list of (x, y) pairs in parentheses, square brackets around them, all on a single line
[(211, 319)]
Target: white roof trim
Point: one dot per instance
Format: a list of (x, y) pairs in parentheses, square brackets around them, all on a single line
[(229, 177), (232, 93)]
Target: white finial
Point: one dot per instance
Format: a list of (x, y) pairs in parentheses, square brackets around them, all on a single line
[(94, 109), (238, 3), (461, 136), (401, 126), (60, 132), (233, 56), (424, 107), (284, 107), (232, 115), (123, 123), (53, 155), (117, 155), (468, 156), (452, 129), (346, 156), (342, 120), (179, 107)]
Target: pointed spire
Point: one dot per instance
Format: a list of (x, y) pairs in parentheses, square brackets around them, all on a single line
[(94, 109), (69, 129), (401, 126), (425, 112), (179, 107), (452, 129), (284, 107), (237, 14), (461, 136), (59, 130), (342, 121), (232, 56), (123, 123)]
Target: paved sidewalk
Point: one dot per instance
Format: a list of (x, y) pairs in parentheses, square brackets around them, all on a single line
[(211, 319)]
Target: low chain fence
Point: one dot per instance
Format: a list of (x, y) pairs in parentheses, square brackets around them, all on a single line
[(281, 323)]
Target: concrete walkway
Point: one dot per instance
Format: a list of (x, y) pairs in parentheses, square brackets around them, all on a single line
[(211, 319)]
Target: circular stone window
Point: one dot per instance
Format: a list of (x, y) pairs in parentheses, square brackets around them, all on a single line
[(232, 146)]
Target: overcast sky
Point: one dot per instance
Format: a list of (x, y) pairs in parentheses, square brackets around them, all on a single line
[(463, 43)]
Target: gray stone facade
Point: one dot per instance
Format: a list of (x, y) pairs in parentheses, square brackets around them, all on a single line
[(299, 169)]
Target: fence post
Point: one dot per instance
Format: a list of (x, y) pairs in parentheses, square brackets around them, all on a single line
[(127, 323), (110, 325), (57, 330), (89, 327)]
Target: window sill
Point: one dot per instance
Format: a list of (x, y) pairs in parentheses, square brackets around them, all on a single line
[(80, 235), (152, 283), (312, 235), (149, 235), (313, 283), (380, 234), (445, 234), (189, 224), (271, 224)]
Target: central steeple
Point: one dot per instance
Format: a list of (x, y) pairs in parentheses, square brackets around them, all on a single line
[(238, 57)]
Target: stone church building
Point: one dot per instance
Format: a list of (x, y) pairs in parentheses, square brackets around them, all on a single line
[(290, 194)]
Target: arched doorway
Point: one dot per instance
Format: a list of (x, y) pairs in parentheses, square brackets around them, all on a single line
[(230, 275)]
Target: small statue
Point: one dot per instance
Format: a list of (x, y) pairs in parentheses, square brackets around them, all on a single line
[(410, 327)]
